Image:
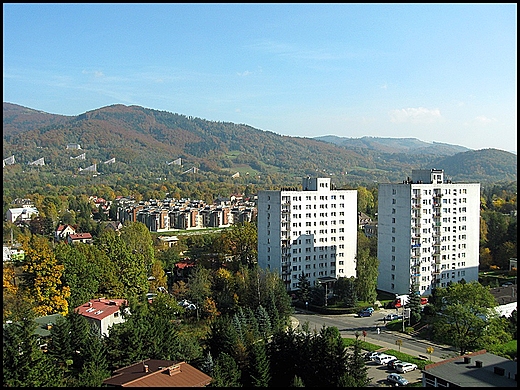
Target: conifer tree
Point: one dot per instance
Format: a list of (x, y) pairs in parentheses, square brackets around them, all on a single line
[(226, 372), (414, 304), (356, 374), (24, 363), (259, 365)]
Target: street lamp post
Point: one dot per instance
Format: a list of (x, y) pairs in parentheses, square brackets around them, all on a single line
[(326, 294)]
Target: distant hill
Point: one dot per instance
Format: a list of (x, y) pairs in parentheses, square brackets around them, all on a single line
[(143, 141), (394, 145)]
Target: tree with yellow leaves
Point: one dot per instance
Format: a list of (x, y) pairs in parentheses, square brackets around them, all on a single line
[(42, 277)]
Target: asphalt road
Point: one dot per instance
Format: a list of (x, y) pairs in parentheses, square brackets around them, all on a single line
[(349, 324)]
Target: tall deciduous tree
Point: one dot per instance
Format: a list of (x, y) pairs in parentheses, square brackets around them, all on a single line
[(345, 289), (130, 267), (366, 271), (80, 272), (465, 311), (241, 240), (42, 277)]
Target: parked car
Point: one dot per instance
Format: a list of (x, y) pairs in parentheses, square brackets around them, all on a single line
[(507, 284), (365, 313), (404, 367), (371, 355), (397, 379), (384, 358), (370, 309), (391, 317), (392, 363)]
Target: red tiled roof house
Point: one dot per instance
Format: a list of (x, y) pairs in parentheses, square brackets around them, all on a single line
[(102, 312), (158, 373), (85, 238)]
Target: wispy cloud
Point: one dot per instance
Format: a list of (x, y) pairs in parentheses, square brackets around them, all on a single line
[(418, 115), (96, 73), (294, 52), (483, 120)]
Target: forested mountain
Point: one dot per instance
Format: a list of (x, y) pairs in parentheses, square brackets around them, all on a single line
[(144, 141)]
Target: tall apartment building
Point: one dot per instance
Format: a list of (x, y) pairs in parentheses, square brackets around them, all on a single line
[(313, 230), (428, 232)]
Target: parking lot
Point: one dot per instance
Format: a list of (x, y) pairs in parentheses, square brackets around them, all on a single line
[(378, 374)]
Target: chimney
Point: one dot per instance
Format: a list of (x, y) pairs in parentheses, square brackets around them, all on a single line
[(478, 363), (145, 367), (174, 369), (467, 359)]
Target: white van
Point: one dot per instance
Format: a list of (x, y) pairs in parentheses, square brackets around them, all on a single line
[(384, 358)]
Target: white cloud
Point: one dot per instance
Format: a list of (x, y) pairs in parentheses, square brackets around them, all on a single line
[(245, 73), (483, 120), (96, 73), (419, 115)]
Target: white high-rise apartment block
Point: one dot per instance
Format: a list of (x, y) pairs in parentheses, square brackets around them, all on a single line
[(313, 231), (428, 232)]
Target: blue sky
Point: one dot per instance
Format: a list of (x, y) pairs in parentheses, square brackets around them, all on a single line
[(437, 72)]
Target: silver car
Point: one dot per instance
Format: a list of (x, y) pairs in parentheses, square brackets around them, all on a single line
[(397, 379)]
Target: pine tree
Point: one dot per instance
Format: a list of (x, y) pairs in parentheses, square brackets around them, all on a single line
[(414, 304), (356, 375), (226, 372), (24, 363), (259, 365), (95, 367), (264, 322)]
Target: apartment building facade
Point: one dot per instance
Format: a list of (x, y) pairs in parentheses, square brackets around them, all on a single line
[(312, 230), (170, 214), (428, 232)]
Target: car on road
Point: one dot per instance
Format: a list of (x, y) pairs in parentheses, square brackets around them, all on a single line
[(397, 379), (370, 309), (391, 317), (365, 313), (404, 367), (507, 284)]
